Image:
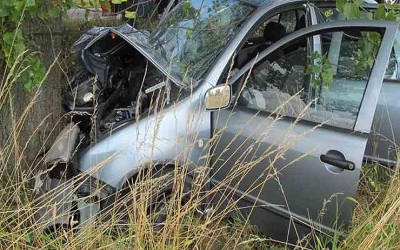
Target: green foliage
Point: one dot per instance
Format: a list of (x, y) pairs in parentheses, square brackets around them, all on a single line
[(321, 68), (35, 73), (13, 43), (368, 45), (350, 9), (368, 48), (369, 42), (188, 10)]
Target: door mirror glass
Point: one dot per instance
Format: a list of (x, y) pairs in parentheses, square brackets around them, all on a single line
[(218, 97)]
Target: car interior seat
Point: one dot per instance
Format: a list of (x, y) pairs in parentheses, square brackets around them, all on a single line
[(301, 24), (273, 32)]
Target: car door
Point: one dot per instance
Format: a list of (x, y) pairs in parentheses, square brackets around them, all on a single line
[(382, 143), (288, 153)]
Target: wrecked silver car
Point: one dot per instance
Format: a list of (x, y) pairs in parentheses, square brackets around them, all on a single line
[(236, 71)]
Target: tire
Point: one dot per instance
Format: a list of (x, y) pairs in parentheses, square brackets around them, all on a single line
[(158, 203)]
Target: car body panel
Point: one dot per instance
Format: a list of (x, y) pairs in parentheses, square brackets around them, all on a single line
[(169, 137), (384, 138), (296, 185), (118, 157)]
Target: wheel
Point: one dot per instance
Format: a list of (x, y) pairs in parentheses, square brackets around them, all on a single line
[(155, 192)]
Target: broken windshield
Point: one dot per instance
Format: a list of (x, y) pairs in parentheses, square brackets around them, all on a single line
[(194, 34)]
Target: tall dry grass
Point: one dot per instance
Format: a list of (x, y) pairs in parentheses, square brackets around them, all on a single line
[(377, 217), (127, 223)]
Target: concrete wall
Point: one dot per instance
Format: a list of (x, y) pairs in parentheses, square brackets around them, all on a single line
[(43, 121), (50, 39)]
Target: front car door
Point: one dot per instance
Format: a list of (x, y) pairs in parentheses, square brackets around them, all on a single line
[(288, 153)]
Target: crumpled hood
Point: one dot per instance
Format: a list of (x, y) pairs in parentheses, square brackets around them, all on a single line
[(139, 39)]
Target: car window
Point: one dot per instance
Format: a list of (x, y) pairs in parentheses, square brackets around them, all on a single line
[(282, 84), (292, 20), (289, 20), (258, 33), (269, 32), (194, 34), (327, 14)]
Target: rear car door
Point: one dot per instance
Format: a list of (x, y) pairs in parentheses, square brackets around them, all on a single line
[(288, 153)]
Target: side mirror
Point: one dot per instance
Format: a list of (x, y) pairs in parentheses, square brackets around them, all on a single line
[(218, 97)]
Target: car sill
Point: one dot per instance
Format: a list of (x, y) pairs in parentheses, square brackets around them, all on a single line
[(281, 211)]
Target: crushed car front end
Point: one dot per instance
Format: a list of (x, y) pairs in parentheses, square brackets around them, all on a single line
[(138, 101), (122, 109)]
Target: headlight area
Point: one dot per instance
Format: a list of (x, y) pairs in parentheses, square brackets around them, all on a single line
[(65, 197)]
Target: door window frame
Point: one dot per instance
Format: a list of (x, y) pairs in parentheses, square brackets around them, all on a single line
[(374, 84), (223, 64), (316, 15), (276, 11), (297, 7)]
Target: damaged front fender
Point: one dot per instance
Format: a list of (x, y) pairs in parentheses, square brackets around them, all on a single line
[(64, 146)]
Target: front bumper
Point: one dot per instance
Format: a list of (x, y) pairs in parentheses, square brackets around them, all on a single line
[(65, 197), (60, 202)]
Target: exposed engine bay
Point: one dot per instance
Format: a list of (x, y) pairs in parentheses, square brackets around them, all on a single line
[(116, 84)]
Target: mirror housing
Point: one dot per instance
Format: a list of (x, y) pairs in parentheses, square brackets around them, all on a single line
[(218, 97)]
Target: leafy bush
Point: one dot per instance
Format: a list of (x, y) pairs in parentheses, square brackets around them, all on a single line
[(14, 43)]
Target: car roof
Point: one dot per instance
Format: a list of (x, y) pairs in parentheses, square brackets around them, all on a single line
[(333, 1), (263, 3), (260, 3)]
